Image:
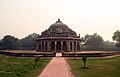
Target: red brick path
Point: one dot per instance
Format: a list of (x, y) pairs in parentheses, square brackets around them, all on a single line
[(56, 68)]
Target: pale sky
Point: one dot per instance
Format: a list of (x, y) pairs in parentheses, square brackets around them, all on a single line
[(22, 17)]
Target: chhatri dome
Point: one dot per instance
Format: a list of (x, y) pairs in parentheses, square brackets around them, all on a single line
[(58, 29), (58, 37)]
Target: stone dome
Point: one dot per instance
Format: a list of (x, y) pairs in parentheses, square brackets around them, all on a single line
[(58, 29)]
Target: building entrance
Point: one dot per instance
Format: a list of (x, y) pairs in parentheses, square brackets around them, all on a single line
[(58, 46)]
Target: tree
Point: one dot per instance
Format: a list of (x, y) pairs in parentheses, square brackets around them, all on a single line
[(108, 44), (93, 40), (29, 41), (84, 60), (10, 42), (116, 37), (36, 60), (84, 39)]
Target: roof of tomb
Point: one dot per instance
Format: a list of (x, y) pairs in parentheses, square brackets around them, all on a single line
[(58, 29)]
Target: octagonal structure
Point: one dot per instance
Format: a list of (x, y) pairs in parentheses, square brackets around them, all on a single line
[(58, 37)]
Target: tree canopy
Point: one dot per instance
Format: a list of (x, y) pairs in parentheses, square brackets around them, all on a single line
[(10, 42), (116, 37), (93, 40), (29, 41)]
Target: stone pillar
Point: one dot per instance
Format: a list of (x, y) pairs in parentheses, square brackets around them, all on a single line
[(49, 45), (72, 45), (55, 45), (68, 46), (76, 46), (43, 45)]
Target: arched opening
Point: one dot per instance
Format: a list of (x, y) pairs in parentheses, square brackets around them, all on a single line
[(39, 46), (52, 45), (74, 45), (64, 46), (58, 47), (70, 45)]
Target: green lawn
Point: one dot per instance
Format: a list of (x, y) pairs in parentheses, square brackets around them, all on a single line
[(97, 67), (20, 67)]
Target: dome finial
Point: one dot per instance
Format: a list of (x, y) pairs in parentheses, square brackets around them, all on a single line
[(58, 21)]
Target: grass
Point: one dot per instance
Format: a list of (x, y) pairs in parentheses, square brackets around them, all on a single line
[(109, 67), (20, 67)]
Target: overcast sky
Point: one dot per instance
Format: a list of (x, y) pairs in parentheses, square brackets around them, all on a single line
[(22, 17)]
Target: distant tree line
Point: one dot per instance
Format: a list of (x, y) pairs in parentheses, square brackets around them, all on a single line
[(11, 42), (89, 42), (96, 42)]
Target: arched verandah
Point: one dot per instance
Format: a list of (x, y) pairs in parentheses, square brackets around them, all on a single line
[(64, 46), (52, 45), (58, 46)]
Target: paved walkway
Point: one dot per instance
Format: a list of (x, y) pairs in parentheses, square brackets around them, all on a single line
[(56, 68)]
